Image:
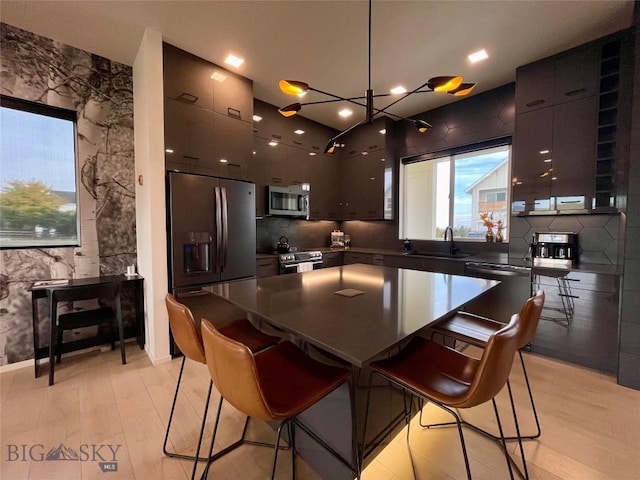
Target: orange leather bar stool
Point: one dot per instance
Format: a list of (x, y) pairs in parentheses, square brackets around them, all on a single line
[(189, 340), (277, 384), (452, 380), (476, 330)]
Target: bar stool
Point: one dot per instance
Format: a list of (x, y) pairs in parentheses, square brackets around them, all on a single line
[(275, 385), (83, 317), (452, 380), (476, 330), (189, 340)]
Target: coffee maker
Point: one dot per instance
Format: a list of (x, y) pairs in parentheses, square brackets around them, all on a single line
[(555, 248)]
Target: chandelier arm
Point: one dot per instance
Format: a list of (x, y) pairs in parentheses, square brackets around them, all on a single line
[(415, 90)]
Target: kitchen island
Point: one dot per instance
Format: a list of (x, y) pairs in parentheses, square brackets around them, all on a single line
[(350, 315)]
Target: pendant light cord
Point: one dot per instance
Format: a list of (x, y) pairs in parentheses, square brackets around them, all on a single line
[(369, 88)]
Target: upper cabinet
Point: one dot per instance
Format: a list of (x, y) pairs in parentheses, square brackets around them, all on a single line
[(208, 117), (366, 172), (565, 136)]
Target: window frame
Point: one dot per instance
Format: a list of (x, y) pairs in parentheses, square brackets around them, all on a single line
[(28, 106), (451, 153)]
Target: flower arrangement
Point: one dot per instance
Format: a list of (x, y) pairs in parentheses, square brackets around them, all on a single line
[(487, 219)]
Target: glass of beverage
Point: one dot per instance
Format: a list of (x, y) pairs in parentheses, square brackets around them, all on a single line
[(347, 241)]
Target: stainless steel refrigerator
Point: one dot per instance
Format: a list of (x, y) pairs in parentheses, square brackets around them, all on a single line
[(212, 230)]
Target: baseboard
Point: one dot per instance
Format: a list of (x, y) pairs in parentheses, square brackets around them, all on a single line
[(29, 363), (156, 361)]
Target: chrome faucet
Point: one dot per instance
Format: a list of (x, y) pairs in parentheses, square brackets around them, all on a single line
[(452, 248)]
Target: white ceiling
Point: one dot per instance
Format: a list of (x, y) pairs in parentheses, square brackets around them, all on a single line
[(325, 43)]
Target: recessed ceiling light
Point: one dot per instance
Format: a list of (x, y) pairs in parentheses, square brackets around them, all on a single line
[(298, 132), (223, 160), (398, 90), (272, 143), (478, 56), (254, 152), (383, 131), (257, 118), (345, 112), (168, 150), (365, 153), (543, 152), (312, 154), (548, 160), (233, 60), (218, 76)]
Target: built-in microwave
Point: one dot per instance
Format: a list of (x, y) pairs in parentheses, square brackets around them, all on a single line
[(288, 201)]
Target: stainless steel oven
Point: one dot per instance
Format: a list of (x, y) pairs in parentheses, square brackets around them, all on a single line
[(297, 262)]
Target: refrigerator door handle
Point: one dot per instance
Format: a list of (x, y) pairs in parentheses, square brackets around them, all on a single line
[(218, 220), (225, 228)]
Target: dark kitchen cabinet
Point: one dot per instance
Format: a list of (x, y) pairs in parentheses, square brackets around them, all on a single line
[(576, 76), (364, 159), (188, 137), (208, 116), (257, 173), (574, 143), (532, 156), (277, 165), (563, 79), (332, 259), (590, 337), (267, 267), (324, 177), (356, 257), (187, 78), (234, 97), (298, 165), (232, 140)]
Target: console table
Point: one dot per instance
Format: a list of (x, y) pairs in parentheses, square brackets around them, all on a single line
[(128, 284)]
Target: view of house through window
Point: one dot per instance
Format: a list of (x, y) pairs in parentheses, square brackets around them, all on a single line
[(468, 192), (38, 194)]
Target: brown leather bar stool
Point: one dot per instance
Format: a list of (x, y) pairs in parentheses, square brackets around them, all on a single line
[(275, 385), (82, 317), (189, 340), (476, 330), (452, 380)]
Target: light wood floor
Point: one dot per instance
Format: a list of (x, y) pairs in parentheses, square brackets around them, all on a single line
[(591, 426)]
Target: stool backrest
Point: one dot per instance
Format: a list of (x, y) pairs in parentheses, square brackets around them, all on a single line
[(233, 370), (529, 317), (494, 366), (183, 328)]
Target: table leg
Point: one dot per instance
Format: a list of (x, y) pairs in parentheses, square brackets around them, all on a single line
[(34, 319)]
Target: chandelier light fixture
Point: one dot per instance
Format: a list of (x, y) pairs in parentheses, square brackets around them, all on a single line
[(452, 85)]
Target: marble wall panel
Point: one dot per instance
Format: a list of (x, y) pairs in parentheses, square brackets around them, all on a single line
[(101, 92)]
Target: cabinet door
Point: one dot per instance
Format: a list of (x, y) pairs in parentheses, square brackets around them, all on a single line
[(266, 267), (530, 169), (257, 173), (233, 96), (373, 185), (352, 257), (277, 166), (233, 140), (574, 148), (188, 137), (331, 259), (534, 86), (576, 76), (351, 195), (324, 180), (187, 78), (298, 165)]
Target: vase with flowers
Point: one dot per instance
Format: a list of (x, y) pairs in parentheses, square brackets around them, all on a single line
[(487, 220), (499, 227)]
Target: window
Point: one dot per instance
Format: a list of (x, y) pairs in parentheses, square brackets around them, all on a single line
[(454, 190), (38, 190)]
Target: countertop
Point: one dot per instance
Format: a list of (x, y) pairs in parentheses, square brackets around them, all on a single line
[(488, 257)]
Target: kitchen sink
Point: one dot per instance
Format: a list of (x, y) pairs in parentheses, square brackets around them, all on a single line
[(442, 254)]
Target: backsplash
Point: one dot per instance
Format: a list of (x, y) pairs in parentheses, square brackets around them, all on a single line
[(598, 235), (302, 234)]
